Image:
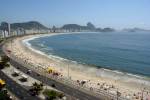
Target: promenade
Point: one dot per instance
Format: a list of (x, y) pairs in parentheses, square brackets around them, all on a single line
[(67, 86), (63, 84)]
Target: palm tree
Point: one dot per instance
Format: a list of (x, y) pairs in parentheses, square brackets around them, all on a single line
[(4, 95), (36, 88), (5, 58)]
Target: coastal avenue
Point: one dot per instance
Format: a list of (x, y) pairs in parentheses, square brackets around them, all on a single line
[(62, 87), (14, 87), (17, 89)]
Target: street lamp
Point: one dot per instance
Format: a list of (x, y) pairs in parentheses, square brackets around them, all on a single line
[(118, 94), (142, 97), (46, 78), (68, 70)]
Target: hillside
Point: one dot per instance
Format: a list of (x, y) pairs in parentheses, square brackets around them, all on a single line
[(89, 27), (28, 25), (73, 27)]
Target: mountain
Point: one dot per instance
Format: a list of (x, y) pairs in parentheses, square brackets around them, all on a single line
[(28, 25), (36, 25), (135, 30), (72, 27), (88, 27), (4, 26), (108, 30)]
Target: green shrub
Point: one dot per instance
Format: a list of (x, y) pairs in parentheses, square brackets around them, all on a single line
[(36, 88), (51, 94)]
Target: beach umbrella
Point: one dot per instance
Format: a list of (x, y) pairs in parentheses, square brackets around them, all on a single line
[(50, 69)]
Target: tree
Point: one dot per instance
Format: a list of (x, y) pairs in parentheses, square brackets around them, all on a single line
[(36, 88), (4, 61), (5, 58), (4, 95), (51, 94)]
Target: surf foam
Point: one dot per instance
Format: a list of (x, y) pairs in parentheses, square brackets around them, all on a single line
[(99, 72)]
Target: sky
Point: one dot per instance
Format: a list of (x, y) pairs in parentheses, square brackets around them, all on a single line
[(102, 13)]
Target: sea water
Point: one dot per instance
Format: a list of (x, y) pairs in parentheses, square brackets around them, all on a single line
[(127, 52)]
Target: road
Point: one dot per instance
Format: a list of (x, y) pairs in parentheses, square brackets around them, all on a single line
[(60, 86), (16, 88)]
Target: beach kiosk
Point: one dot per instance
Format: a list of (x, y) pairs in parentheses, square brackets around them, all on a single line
[(2, 83)]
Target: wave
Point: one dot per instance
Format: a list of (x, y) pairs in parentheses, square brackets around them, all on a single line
[(93, 70), (122, 76)]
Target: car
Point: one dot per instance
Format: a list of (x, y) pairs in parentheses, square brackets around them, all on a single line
[(53, 85), (9, 97), (29, 71), (38, 74)]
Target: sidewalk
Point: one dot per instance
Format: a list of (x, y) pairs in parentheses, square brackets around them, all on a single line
[(10, 70)]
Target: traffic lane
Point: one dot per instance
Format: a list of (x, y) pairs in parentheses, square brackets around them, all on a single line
[(62, 87), (17, 89)]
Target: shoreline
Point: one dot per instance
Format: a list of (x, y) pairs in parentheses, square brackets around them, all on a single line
[(76, 75), (55, 57)]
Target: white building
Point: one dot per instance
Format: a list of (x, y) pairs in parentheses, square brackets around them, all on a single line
[(5, 34)]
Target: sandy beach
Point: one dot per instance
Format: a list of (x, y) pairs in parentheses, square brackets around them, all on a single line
[(77, 72)]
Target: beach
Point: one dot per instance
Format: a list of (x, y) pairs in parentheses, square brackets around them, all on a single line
[(77, 72)]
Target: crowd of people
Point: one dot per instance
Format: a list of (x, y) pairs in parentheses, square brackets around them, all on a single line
[(97, 87)]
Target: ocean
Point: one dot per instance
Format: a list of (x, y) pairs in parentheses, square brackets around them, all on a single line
[(125, 52)]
